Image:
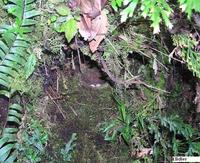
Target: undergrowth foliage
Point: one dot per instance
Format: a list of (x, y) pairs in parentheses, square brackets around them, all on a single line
[(14, 44), (156, 10), (9, 136), (164, 136), (185, 48), (15, 59)]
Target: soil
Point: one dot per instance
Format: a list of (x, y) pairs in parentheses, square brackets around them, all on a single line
[(93, 78), (3, 111), (82, 110)]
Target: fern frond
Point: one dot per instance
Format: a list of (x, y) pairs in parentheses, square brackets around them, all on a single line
[(14, 59), (14, 44), (9, 139), (188, 6), (186, 46), (24, 11)]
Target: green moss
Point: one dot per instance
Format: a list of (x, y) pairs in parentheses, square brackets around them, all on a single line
[(85, 109)]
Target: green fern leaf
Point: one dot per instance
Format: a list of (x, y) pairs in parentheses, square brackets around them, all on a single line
[(129, 10), (8, 140), (188, 6), (186, 45), (13, 60)]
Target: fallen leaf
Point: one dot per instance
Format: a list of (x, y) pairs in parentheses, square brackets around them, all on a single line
[(93, 24), (85, 27), (73, 4), (142, 153), (100, 25), (91, 8)]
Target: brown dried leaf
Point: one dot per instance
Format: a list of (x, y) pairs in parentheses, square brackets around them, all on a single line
[(91, 8), (144, 152), (85, 27), (73, 4), (93, 24), (100, 25)]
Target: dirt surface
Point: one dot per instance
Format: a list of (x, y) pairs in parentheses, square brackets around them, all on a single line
[(92, 77), (3, 111), (74, 108)]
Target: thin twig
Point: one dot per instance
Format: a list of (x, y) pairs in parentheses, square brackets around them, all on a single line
[(134, 80), (57, 105), (73, 111), (57, 81), (73, 64), (79, 57)]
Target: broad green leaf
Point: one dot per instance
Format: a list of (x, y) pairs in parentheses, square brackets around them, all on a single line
[(5, 93), (63, 10), (15, 58), (2, 54), (21, 43), (70, 28), (17, 2), (195, 147), (11, 64), (9, 37), (6, 155), (14, 10), (29, 1)]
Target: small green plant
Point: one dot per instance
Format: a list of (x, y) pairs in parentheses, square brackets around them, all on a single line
[(64, 22), (185, 48), (69, 148), (166, 136), (172, 137), (33, 141), (121, 126)]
